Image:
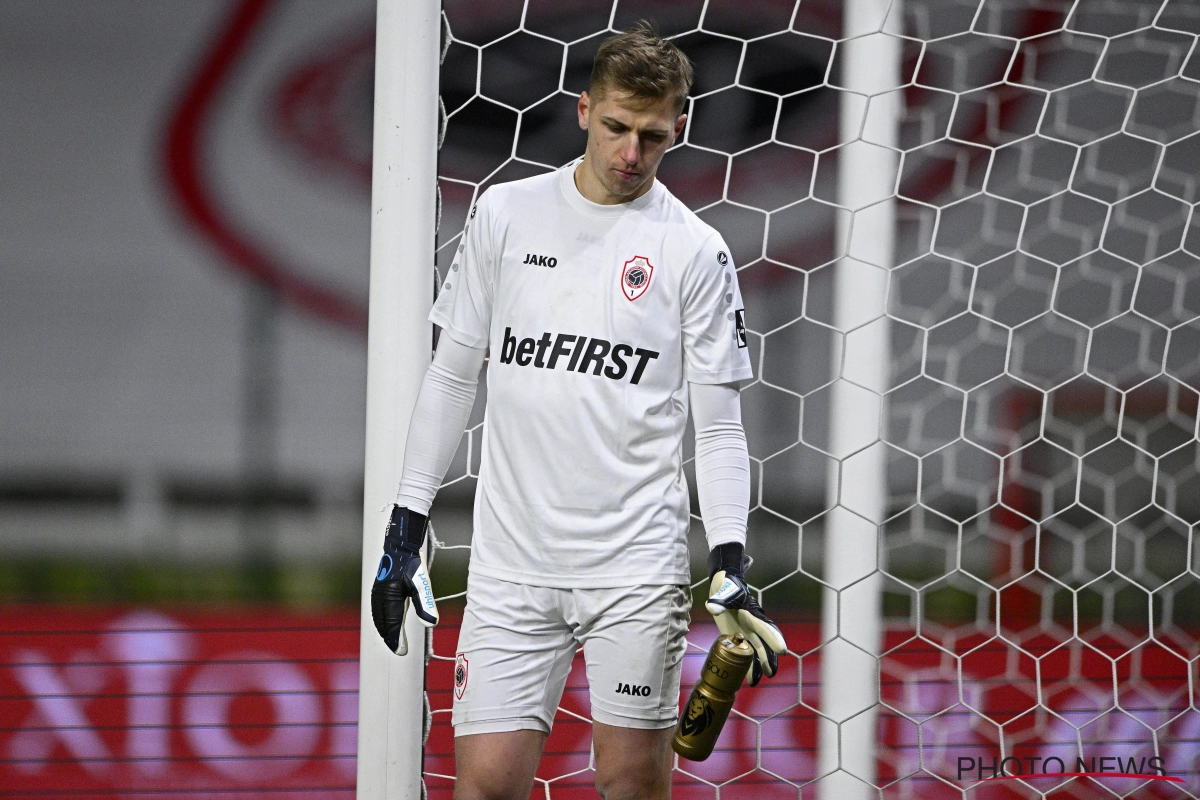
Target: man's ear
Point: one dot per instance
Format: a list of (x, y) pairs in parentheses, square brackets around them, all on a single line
[(680, 124), (584, 106)]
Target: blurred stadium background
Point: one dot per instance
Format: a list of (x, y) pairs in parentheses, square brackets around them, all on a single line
[(160, 407), (183, 276), (185, 230)]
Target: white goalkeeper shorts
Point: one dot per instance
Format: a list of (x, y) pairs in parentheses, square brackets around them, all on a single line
[(517, 643)]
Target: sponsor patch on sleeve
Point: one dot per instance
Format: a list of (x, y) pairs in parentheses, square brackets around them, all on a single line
[(739, 322)]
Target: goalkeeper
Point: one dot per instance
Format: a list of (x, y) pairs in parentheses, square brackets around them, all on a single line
[(609, 309)]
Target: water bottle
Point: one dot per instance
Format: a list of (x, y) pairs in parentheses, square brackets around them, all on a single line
[(708, 706)]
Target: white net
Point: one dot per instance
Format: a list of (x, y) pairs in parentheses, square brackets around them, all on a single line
[(1035, 566)]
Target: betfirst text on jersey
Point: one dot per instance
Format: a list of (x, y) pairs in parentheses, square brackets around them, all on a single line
[(578, 353), (597, 318)]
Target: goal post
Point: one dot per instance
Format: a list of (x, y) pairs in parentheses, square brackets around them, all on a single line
[(403, 230), (851, 612)]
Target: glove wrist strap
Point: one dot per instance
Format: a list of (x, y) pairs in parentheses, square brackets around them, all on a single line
[(728, 557), (406, 529)]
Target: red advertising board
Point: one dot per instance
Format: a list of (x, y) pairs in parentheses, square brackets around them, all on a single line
[(137, 702), (131, 702)]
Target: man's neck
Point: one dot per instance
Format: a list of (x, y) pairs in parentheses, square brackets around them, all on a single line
[(589, 185)]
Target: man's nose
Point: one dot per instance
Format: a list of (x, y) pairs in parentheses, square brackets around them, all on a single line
[(631, 149)]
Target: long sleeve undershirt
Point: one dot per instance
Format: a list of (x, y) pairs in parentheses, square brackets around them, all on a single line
[(722, 462), (444, 406), (438, 421)]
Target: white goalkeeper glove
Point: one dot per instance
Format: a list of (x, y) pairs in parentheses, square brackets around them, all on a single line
[(735, 610), (401, 578)]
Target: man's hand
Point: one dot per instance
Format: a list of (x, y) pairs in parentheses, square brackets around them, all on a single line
[(401, 578), (736, 611)]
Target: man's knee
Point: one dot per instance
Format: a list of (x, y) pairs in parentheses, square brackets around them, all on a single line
[(489, 786), (497, 766), (632, 764), (649, 782)]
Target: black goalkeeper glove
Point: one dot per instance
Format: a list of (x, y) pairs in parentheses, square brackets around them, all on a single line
[(735, 610), (401, 578)]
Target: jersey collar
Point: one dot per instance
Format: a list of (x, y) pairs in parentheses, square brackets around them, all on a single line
[(566, 184)]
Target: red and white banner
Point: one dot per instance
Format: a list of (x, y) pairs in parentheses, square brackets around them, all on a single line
[(186, 704), (130, 702)]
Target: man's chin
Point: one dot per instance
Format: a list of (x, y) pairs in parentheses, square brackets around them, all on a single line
[(621, 187)]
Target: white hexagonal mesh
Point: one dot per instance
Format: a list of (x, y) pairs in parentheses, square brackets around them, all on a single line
[(1038, 565)]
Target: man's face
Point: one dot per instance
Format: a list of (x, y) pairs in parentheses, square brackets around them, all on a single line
[(626, 140)]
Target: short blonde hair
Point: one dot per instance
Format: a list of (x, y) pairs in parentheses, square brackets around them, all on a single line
[(641, 63)]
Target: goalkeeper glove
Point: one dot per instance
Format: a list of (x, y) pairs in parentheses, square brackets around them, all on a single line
[(737, 612), (401, 578)]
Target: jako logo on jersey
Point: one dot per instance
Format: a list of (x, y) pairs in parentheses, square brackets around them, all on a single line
[(722, 258), (460, 675), (540, 261), (584, 354), (639, 691), (635, 277)]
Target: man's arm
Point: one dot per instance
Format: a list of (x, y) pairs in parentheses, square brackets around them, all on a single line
[(438, 421), (723, 483), (722, 462)]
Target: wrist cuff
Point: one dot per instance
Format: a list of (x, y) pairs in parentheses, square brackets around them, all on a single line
[(728, 557), (406, 529)]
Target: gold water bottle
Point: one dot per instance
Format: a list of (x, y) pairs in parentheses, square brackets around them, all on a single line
[(708, 706)]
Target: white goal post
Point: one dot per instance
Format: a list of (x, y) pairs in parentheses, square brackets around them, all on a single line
[(399, 343), (856, 489)]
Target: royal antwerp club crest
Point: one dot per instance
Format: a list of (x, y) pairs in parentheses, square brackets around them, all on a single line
[(460, 675), (635, 278)]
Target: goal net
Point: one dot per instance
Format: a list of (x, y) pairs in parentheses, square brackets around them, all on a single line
[(966, 237)]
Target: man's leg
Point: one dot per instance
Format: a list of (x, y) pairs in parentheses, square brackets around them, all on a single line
[(633, 642), (514, 654), (497, 766), (631, 763)]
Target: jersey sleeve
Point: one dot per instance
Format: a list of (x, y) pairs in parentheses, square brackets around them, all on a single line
[(714, 319), (464, 305)]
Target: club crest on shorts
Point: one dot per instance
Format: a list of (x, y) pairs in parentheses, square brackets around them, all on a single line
[(460, 675), (635, 277)]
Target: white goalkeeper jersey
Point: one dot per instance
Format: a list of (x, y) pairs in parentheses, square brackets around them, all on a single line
[(596, 318)]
